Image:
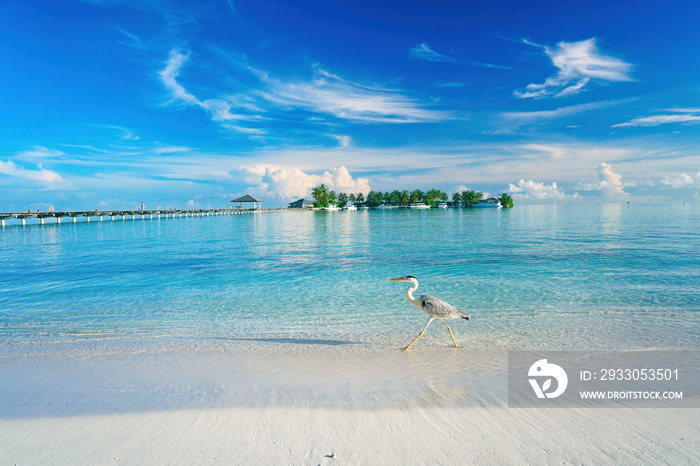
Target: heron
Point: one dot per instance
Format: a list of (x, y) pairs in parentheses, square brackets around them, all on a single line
[(436, 308)]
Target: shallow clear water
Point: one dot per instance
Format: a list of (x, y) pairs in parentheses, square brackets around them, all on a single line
[(559, 277)]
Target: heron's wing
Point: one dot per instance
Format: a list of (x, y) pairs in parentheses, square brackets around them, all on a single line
[(436, 307)]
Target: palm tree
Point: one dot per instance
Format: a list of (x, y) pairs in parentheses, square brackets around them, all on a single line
[(470, 197), (505, 200), (430, 196), (360, 198), (435, 195), (374, 198), (342, 199), (404, 197), (416, 196), (395, 197), (351, 198), (456, 198), (321, 194)]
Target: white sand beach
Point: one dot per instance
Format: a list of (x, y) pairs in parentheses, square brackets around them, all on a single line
[(416, 435), (272, 404)]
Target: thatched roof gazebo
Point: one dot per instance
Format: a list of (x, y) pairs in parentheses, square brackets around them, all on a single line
[(238, 203)]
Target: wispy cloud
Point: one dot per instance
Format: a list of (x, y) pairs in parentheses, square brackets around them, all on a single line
[(40, 152), (170, 149), (329, 94), (680, 115), (490, 65), (423, 51), (219, 108), (579, 63), (252, 132), (169, 74), (231, 6), (509, 121), (124, 133), (343, 140), (324, 94), (133, 40), (451, 84)]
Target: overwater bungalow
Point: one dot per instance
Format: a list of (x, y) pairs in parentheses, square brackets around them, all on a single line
[(491, 203), (301, 204), (247, 199)]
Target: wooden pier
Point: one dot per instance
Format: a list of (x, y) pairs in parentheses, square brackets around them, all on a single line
[(123, 214)]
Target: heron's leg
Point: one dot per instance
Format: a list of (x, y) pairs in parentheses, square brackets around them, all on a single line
[(419, 335), (453, 337)]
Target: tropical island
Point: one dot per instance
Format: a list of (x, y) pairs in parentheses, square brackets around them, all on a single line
[(325, 197)]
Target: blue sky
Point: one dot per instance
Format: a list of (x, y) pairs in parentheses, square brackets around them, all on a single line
[(107, 104)]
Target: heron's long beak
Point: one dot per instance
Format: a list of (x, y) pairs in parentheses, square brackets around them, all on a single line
[(400, 279)]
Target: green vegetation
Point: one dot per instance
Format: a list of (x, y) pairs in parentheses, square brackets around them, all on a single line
[(374, 198), (505, 200), (433, 196), (468, 198), (324, 197), (342, 199)]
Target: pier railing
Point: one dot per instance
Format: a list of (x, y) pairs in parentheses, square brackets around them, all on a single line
[(123, 214)]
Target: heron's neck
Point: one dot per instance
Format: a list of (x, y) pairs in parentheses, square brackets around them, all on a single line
[(410, 290)]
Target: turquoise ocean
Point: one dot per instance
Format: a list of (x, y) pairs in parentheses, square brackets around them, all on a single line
[(560, 277)]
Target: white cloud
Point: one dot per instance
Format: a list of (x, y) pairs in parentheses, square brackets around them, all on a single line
[(342, 181), (684, 110), (423, 51), (538, 191), (134, 40), (678, 181), (245, 130), (171, 149), (42, 175), (578, 63), (490, 65), (688, 116), (40, 152), (343, 141), (451, 84), (329, 94), (169, 74), (219, 108), (512, 120), (609, 182), (124, 133), (293, 183), (323, 94)]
